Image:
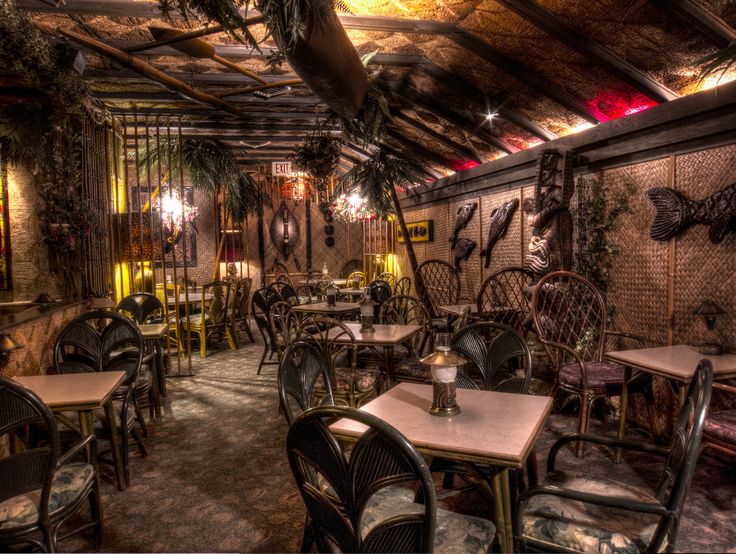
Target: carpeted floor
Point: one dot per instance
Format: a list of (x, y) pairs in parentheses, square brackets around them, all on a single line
[(217, 479)]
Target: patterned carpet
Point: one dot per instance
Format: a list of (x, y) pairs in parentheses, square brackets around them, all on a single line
[(217, 479)]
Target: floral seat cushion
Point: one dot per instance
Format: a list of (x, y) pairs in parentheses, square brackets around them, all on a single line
[(454, 532), (70, 481), (600, 375), (584, 527), (411, 369), (363, 380), (721, 426)]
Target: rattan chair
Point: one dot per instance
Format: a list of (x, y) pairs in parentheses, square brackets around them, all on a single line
[(369, 505), (261, 304), (380, 291), (39, 489), (239, 317), (361, 279), (285, 291), (336, 342), (403, 287), (437, 284), (408, 310), (350, 266), (106, 341), (212, 320), (390, 278), (569, 315), (142, 307), (284, 326), (169, 294), (719, 431), (503, 298), (574, 512)]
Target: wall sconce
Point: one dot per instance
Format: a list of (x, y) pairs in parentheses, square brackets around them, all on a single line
[(7, 345), (710, 311)]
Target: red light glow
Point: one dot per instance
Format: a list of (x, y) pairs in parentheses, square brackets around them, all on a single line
[(619, 102), (460, 165)]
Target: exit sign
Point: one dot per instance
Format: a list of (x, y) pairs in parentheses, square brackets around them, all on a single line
[(281, 169)]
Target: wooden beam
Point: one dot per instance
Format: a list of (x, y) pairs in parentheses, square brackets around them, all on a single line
[(465, 151), (694, 15), (439, 109), (222, 50), (151, 72), (133, 96), (534, 13), (428, 171), (526, 75), (480, 98), (250, 127), (419, 150), (256, 88), (168, 111), (691, 123), (395, 24), (223, 79)]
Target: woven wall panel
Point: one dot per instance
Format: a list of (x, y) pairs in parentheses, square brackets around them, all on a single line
[(638, 289), (703, 269), (507, 251)]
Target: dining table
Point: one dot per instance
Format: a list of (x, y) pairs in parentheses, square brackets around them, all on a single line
[(82, 393), (677, 363), (496, 429), (385, 336), (323, 308)]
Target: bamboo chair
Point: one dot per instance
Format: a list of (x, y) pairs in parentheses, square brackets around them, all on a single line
[(503, 298), (212, 319), (437, 285)]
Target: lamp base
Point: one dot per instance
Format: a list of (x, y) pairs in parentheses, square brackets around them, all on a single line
[(443, 399), (711, 349)]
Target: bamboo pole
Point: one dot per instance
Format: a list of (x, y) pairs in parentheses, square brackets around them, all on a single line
[(150, 72), (249, 89), (671, 264), (184, 229)]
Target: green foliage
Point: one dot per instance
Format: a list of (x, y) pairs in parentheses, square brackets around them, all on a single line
[(595, 216), (209, 163), (373, 179), (224, 12), (318, 155), (718, 62), (27, 52)]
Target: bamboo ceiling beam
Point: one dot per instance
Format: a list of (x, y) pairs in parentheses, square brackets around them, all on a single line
[(464, 151), (197, 33), (695, 15), (535, 14), (195, 112), (428, 171), (162, 97), (223, 79), (147, 70), (250, 89)]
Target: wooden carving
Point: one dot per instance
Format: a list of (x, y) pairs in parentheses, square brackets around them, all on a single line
[(550, 248), (462, 218), (463, 251), (285, 233), (675, 213), (500, 219)]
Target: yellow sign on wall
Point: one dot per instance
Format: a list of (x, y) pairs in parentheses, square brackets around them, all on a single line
[(420, 231)]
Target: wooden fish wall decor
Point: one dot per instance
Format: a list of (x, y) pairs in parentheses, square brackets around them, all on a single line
[(463, 251), (285, 233), (462, 218), (500, 219), (675, 213)]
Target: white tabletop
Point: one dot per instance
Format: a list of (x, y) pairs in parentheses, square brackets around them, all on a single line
[(674, 362), (153, 330), (495, 427), (382, 334), (73, 391), (324, 308)]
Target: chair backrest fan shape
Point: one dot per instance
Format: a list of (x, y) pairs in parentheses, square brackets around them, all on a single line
[(301, 367), (381, 458), (142, 307)]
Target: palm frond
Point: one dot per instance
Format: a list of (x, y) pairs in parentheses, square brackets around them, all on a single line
[(718, 62), (374, 177)]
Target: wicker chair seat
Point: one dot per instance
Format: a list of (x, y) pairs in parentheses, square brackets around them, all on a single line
[(71, 481), (454, 532), (601, 375), (721, 426), (195, 320), (583, 527), (364, 380), (411, 369)]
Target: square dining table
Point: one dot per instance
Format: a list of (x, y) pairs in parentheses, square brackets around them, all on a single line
[(493, 428), (323, 308), (82, 393), (385, 336), (676, 363)]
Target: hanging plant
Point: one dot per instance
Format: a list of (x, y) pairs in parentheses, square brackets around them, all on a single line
[(318, 155), (595, 217)]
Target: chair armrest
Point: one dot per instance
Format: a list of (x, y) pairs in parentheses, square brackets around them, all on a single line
[(626, 335), (725, 387), (565, 348), (597, 439), (588, 498), (90, 440)]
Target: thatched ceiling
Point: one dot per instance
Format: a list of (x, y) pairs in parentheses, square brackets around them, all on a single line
[(543, 69)]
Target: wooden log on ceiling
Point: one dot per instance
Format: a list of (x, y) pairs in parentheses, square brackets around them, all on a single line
[(327, 61)]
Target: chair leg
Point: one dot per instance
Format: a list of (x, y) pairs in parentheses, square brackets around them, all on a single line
[(586, 406), (246, 325), (202, 343), (95, 506), (230, 339), (139, 442), (139, 415), (263, 359)]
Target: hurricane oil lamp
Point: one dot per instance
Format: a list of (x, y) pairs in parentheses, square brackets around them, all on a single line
[(444, 370)]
